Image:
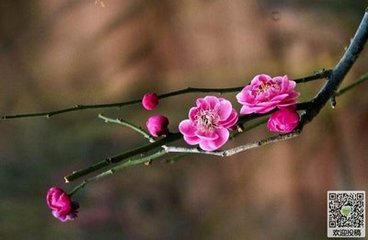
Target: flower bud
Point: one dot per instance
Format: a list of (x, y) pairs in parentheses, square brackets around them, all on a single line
[(61, 205), (283, 121), (157, 125), (150, 101)]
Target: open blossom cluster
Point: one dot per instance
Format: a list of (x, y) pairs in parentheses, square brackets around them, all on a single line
[(211, 119), (209, 123)]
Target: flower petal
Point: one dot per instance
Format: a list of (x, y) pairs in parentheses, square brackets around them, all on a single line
[(205, 145), (231, 120), (256, 109), (206, 135), (187, 128), (224, 109), (260, 78), (193, 113), (201, 103), (212, 101), (215, 144), (246, 110), (192, 140)]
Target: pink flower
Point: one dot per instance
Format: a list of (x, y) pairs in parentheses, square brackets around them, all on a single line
[(284, 120), (157, 125), (265, 93), (209, 123), (150, 101), (61, 205)]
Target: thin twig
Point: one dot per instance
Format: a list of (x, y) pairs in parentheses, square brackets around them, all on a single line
[(119, 167), (127, 124), (140, 150), (324, 73), (183, 151), (121, 157), (319, 75), (352, 85), (175, 158), (235, 150)]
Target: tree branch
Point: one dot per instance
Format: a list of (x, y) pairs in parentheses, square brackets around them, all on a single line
[(318, 75), (235, 150), (127, 124), (118, 158), (348, 87), (141, 150), (312, 108), (338, 73), (184, 151), (173, 137), (121, 166)]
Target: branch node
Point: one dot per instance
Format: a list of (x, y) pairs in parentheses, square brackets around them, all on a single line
[(108, 160), (333, 102), (148, 163), (239, 128)]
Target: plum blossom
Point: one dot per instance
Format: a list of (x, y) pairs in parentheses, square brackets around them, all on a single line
[(157, 125), (150, 101), (283, 121), (61, 205), (265, 93), (209, 123)]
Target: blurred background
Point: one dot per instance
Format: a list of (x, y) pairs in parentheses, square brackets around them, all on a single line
[(58, 53)]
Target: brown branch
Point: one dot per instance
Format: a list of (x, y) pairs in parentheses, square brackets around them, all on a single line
[(311, 109), (318, 75), (235, 150), (338, 73)]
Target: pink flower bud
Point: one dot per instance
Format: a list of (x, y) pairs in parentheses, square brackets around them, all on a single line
[(157, 125), (150, 101), (284, 120), (61, 205)]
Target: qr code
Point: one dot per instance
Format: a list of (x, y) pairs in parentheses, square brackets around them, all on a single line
[(346, 214)]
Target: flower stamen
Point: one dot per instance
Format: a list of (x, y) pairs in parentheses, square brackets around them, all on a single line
[(207, 120)]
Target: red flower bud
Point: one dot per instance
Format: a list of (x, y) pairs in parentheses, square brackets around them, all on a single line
[(150, 101), (283, 120), (61, 205), (157, 125)]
